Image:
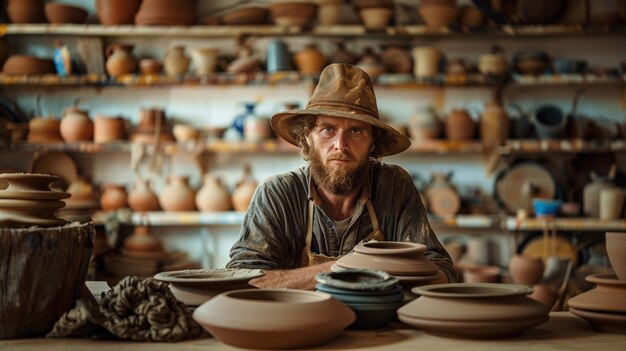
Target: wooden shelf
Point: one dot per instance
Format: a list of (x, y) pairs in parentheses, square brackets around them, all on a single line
[(566, 224), (562, 146)]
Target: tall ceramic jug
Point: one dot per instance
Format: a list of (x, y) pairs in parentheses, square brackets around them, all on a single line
[(142, 198), (204, 60), (120, 60), (494, 124), (591, 194), (242, 196), (177, 196), (175, 61), (213, 196)]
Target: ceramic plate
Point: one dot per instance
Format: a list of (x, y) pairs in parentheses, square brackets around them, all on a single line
[(208, 277)]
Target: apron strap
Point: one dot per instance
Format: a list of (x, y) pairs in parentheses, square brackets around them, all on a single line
[(373, 218), (309, 225)]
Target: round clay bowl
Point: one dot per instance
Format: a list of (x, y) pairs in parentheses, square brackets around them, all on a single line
[(608, 296), (58, 13), (241, 318), (465, 310), (395, 258), (358, 279), (614, 323), (438, 16), (114, 12), (394, 294), (286, 13), (616, 250), (26, 11), (376, 18), (246, 16)]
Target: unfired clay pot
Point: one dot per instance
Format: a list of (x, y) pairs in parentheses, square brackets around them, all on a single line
[(460, 126), (177, 195), (175, 61), (109, 129), (142, 241), (494, 124), (120, 60), (395, 258), (76, 125), (213, 196), (113, 197), (142, 198), (525, 269), (310, 60), (242, 196)]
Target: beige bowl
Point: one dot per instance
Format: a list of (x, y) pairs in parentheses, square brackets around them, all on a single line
[(376, 18), (292, 13), (184, 133)]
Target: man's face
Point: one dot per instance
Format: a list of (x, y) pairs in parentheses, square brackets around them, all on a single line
[(339, 153)]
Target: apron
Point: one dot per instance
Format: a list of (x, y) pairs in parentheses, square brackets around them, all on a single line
[(310, 258)]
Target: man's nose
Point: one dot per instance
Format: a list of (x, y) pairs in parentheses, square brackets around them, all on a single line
[(341, 140)]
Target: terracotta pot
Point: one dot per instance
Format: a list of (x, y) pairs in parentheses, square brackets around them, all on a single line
[(239, 318), (76, 125), (616, 250), (109, 129), (242, 196), (591, 195), (120, 60), (142, 198), (26, 11), (310, 60), (525, 270), (460, 126), (425, 61), (142, 241), (424, 124), (175, 61), (177, 196), (113, 12), (443, 199), (545, 294), (44, 130), (612, 203), (113, 197), (494, 124), (438, 15), (204, 60), (213, 196)]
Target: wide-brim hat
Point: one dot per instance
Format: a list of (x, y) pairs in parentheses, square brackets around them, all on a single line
[(343, 91)]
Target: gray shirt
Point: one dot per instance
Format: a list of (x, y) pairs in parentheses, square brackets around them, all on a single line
[(274, 228)]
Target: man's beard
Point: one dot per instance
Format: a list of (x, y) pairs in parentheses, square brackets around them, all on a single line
[(339, 180)]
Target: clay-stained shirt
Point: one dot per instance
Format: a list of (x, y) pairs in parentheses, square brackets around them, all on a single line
[(274, 228)]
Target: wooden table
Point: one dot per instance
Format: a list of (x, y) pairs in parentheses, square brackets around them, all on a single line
[(564, 331)]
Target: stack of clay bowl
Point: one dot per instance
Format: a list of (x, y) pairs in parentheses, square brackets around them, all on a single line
[(28, 200), (438, 13), (271, 319), (604, 307), (26, 11), (193, 287), (474, 310), (27, 65), (405, 261), (373, 295), (44, 260), (165, 13), (293, 13)]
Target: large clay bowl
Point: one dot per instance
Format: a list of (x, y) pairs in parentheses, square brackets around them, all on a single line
[(113, 12), (395, 258), (616, 250), (358, 279), (26, 11), (609, 295), (246, 16), (274, 318), (58, 13), (603, 321), (288, 13), (475, 310), (438, 16)]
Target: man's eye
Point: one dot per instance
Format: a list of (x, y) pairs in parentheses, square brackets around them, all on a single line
[(356, 131), (327, 130)]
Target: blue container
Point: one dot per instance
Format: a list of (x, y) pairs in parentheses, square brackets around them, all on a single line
[(546, 207)]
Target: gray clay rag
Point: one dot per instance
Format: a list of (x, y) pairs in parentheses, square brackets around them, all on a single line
[(132, 310)]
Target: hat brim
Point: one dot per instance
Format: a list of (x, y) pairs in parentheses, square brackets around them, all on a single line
[(282, 123)]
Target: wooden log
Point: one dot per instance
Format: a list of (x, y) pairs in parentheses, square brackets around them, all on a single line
[(42, 271)]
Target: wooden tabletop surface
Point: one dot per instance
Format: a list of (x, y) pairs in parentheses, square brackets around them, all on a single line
[(564, 331)]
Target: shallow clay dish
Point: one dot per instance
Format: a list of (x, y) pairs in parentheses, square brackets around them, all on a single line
[(209, 277), (274, 318), (395, 258)]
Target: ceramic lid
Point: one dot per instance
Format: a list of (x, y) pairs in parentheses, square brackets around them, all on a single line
[(516, 186)]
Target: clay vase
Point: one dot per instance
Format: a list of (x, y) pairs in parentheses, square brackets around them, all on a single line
[(242, 196), (460, 126), (591, 195), (175, 61), (113, 197), (424, 124), (142, 198), (329, 12), (213, 196), (177, 196), (76, 125), (142, 241), (526, 270), (310, 60), (204, 60), (494, 124), (120, 60), (616, 250), (113, 12)]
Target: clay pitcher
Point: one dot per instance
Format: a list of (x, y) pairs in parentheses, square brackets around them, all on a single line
[(424, 124), (460, 126), (120, 60), (310, 60), (113, 197), (76, 125), (525, 269), (204, 60), (142, 198), (242, 196), (177, 196), (213, 196), (494, 124), (175, 61)]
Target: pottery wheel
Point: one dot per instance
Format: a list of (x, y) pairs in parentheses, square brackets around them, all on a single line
[(520, 184)]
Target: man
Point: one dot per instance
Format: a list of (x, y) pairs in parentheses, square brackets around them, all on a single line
[(300, 222)]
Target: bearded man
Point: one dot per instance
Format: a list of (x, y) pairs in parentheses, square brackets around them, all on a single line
[(300, 222)]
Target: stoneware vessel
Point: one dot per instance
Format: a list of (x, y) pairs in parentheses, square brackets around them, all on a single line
[(242, 195), (310, 60), (142, 198), (425, 61), (494, 124), (612, 203), (204, 60), (175, 61), (76, 125), (177, 195), (459, 126), (609, 295), (591, 195), (213, 196), (424, 124), (616, 250), (120, 60), (239, 318)]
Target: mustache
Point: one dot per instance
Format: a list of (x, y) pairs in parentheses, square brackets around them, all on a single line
[(340, 156)]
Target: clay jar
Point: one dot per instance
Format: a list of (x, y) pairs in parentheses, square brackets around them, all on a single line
[(242, 196), (175, 61), (44, 130), (76, 125), (213, 196), (204, 60), (113, 197), (112, 12), (424, 124), (494, 124), (120, 60), (425, 61), (142, 241), (142, 198), (310, 60), (591, 195), (459, 126), (525, 269), (109, 129), (612, 203), (616, 250), (177, 196)]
